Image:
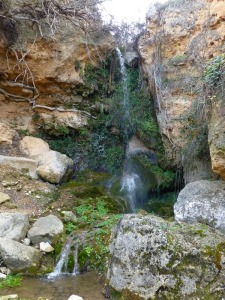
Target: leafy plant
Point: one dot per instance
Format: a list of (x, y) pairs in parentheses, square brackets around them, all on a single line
[(70, 227), (11, 281)]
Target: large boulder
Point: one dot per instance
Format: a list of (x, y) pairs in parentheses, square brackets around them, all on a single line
[(55, 167), (45, 229), (202, 201), (18, 257), (33, 147), (28, 166), (155, 259), (14, 226)]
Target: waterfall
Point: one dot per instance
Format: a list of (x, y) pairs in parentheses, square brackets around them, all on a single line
[(126, 104), (130, 181), (61, 267)]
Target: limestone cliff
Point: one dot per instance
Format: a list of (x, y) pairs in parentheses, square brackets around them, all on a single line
[(44, 51), (180, 49)]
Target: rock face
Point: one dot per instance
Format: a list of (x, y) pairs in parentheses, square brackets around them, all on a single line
[(45, 229), (180, 39), (202, 201), (18, 257), (155, 259), (217, 137), (13, 226), (56, 64)]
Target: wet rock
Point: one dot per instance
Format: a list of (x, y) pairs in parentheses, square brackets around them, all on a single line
[(55, 167), (18, 257), (155, 259), (202, 201), (4, 197), (46, 247), (13, 226), (45, 229), (28, 166)]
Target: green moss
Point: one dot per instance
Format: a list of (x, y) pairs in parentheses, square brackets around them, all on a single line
[(215, 253)]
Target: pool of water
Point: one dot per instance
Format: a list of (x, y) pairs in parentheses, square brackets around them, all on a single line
[(86, 285)]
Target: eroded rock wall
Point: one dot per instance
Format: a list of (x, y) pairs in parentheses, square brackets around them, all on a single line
[(43, 64), (180, 39)]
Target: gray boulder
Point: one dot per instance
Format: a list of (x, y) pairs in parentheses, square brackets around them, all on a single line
[(55, 167), (14, 226), (45, 229), (18, 257), (155, 259), (202, 201)]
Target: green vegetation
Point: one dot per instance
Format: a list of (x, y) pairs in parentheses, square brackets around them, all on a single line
[(10, 281), (96, 214), (215, 71)]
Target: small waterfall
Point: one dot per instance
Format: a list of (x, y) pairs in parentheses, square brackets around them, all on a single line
[(61, 267), (129, 185), (76, 264)]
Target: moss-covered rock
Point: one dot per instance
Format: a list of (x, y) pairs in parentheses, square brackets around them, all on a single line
[(155, 259)]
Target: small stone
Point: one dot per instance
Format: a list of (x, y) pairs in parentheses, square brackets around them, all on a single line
[(19, 188), (4, 197), (2, 276), (46, 247), (5, 270), (75, 297), (69, 216)]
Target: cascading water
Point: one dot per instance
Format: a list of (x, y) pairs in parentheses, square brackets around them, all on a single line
[(130, 181), (61, 267)]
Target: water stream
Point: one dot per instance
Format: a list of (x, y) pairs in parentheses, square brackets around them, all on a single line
[(61, 267), (62, 287)]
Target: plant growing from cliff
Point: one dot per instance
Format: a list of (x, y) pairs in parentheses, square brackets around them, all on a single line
[(214, 72)]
